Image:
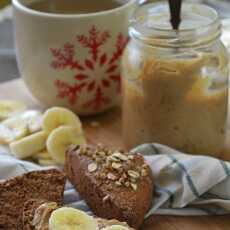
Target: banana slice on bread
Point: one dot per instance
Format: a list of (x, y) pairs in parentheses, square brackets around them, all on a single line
[(70, 219)]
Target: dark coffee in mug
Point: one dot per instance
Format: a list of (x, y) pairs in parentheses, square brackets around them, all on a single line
[(74, 6)]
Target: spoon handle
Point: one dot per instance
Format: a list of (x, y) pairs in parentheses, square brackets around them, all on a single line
[(175, 11)]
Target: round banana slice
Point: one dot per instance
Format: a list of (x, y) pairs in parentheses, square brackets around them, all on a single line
[(19, 126), (71, 219), (29, 146), (33, 119), (57, 116), (46, 162), (60, 139), (43, 155), (115, 227), (8, 108), (12, 132)]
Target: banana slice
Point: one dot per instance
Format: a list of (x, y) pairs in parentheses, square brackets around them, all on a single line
[(60, 139), (115, 227), (44, 155), (8, 108), (33, 119), (71, 219), (12, 132), (57, 116), (17, 127), (46, 162), (43, 158), (30, 145)]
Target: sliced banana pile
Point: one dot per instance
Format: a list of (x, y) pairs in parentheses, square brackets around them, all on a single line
[(41, 137), (73, 219)]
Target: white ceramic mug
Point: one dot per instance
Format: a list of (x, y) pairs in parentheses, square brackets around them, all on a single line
[(72, 60)]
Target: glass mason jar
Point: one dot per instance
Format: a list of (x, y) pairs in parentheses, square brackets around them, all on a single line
[(175, 83)]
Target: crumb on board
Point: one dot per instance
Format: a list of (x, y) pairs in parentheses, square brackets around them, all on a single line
[(95, 124)]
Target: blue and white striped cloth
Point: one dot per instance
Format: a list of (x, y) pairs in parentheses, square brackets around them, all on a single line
[(184, 184)]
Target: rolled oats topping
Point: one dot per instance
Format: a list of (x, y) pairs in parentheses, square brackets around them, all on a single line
[(115, 167), (111, 176), (118, 183), (134, 186), (130, 157), (133, 174), (127, 183), (144, 172), (92, 167), (120, 156), (113, 158), (106, 198)]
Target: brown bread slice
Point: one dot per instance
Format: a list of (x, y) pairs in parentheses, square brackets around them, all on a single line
[(41, 185), (104, 182)]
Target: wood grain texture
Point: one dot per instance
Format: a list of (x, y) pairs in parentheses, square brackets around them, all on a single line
[(109, 133)]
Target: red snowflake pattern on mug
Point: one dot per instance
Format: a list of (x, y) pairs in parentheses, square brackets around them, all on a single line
[(84, 75)]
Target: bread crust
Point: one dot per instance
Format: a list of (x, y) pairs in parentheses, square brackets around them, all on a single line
[(104, 198)]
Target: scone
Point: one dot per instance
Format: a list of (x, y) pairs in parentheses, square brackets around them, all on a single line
[(39, 185), (115, 184)]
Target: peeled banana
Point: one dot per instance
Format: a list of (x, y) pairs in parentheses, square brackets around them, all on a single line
[(60, 139), (8, 108), (71, 219), (57, 116), (30, 145)]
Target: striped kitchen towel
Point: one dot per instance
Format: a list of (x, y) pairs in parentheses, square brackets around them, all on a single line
[(184, 184)]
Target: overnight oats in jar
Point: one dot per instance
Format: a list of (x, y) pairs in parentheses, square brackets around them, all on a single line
[(175, 82)]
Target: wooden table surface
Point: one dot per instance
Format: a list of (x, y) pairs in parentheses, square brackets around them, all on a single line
[(109, 133)]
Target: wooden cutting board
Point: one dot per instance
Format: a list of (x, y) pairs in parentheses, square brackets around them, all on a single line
[(108, 132)]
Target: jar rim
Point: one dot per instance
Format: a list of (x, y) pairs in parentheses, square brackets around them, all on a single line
[(144, 28)]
